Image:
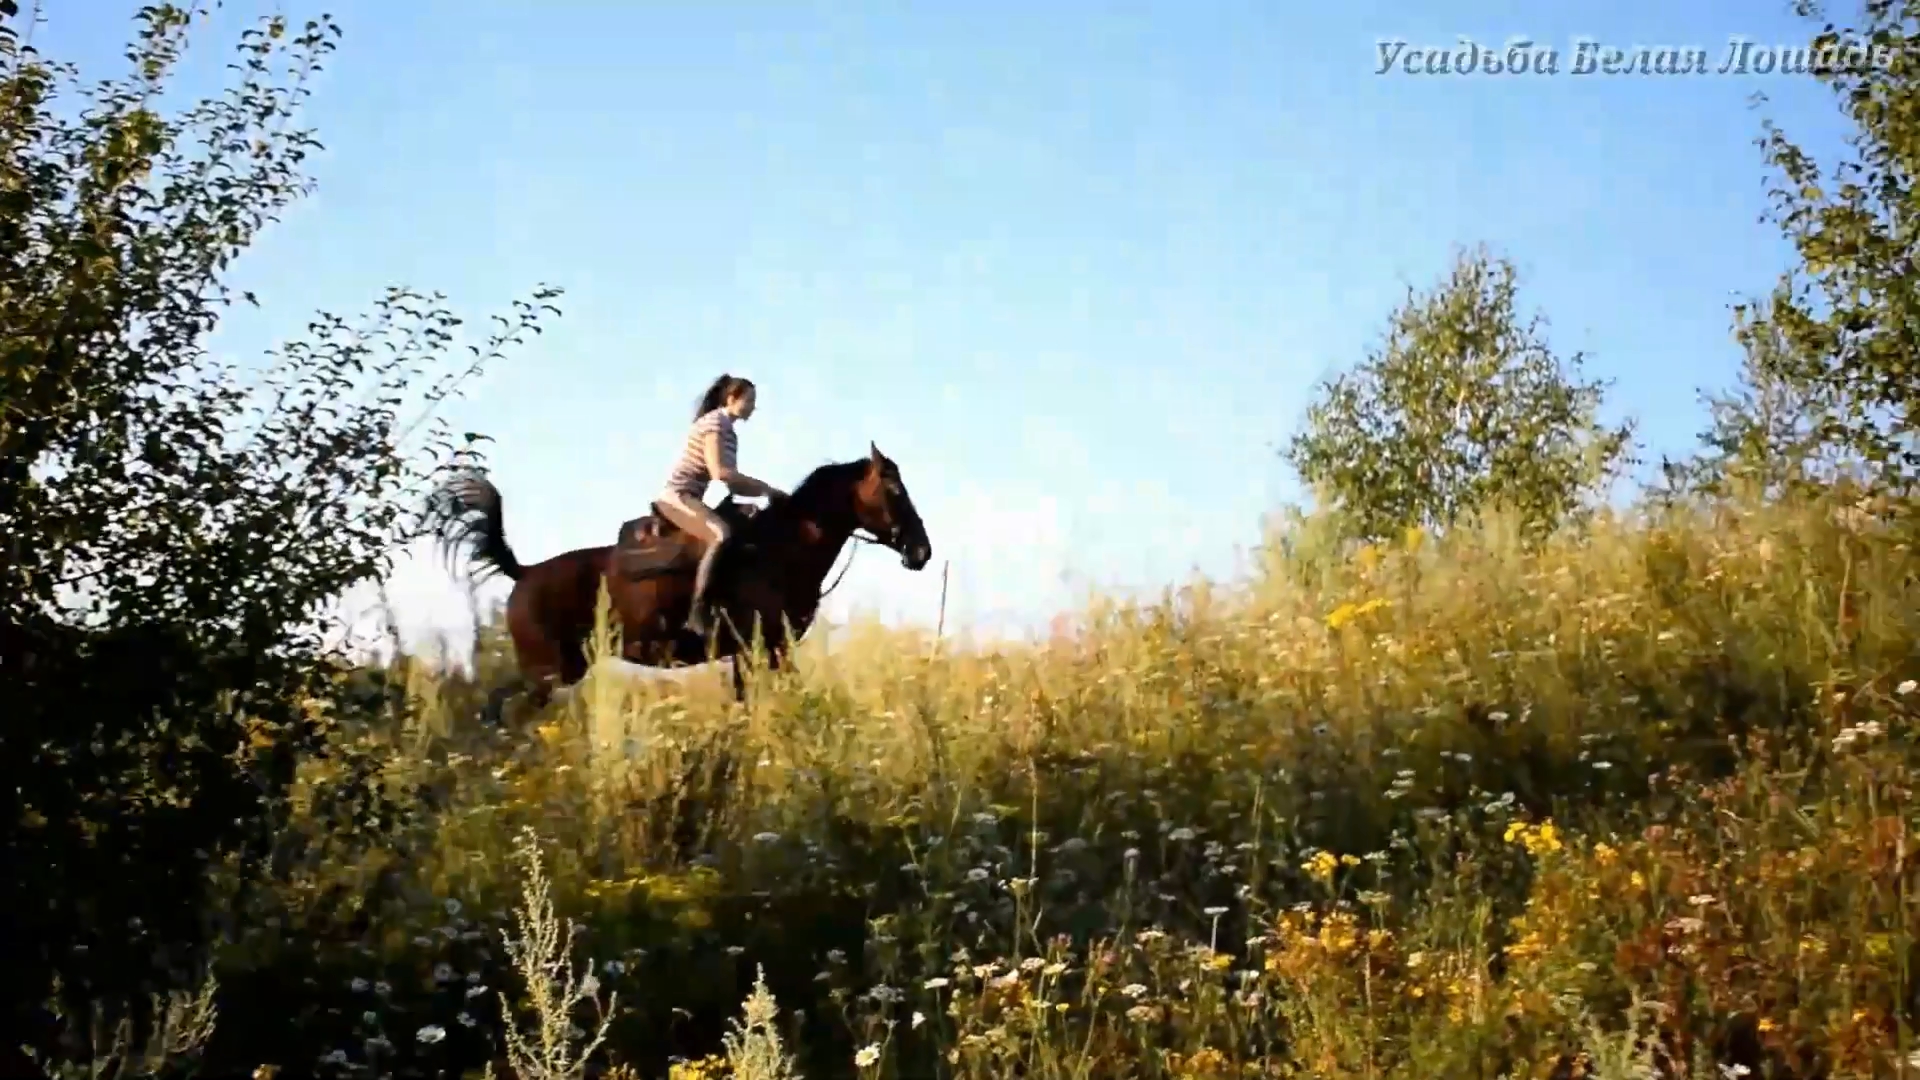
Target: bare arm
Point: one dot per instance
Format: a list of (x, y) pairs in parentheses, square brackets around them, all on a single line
[(737, 482)]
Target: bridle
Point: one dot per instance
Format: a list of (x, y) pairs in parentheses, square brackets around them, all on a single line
[(891, 543)]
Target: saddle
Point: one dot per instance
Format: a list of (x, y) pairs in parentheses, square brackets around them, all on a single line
[(652, 545)]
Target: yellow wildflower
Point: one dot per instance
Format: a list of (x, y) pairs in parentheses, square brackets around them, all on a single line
[(1368, 557), (1321, 866), (1205, 1064), (1338, 935), (1350, 611), (1545, 839), (1538, 839), (1528, 945), (711, 1067)]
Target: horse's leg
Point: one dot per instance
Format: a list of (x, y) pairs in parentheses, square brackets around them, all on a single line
[(545, 667), (573, 662), (561, 684), (542, 691), (528, 649), (776, 654), (493, 714), (748, 657)]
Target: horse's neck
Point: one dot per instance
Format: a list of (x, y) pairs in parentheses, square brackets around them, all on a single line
[(810, 544)]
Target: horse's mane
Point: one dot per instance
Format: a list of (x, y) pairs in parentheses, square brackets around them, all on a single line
[(813, 495), (826, 478)]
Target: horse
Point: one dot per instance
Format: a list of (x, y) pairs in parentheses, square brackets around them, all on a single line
[(767, 579)]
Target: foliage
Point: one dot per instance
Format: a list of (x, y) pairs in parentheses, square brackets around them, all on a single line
[(542, 955), (1762, 434), (1463, 409), (1849, 312), (172, 524), (1481, 798)]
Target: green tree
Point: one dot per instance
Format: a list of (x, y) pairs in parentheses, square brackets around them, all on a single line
[(1762, 436), (1462, 409), (173, 527), (1849, 311)]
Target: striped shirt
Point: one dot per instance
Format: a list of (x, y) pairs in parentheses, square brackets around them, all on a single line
[(691, 474)]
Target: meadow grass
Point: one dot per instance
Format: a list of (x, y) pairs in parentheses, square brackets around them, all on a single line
[(1634, 801)]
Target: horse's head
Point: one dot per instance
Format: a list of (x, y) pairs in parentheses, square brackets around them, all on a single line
[(882, 507)]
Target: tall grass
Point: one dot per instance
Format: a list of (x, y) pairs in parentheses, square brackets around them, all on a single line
[(1635, 801)]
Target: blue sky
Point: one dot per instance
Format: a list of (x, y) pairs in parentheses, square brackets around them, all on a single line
[(1076, 267)]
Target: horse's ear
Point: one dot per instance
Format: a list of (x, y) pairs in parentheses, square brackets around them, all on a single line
[(874, 456)]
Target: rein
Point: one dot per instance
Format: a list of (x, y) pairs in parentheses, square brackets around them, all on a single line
[(850, 554)]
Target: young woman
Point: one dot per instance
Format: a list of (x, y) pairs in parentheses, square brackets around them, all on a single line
[(709, 455)]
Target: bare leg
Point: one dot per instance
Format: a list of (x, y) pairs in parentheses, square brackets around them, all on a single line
[(697, 611), (698, 520)]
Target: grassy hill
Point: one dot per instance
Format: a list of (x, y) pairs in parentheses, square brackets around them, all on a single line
[(1636, 801)]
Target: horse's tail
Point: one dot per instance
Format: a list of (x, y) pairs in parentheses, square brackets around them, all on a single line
[(466, 517)]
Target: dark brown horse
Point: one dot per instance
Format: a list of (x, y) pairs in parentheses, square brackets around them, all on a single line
[(767, 581)]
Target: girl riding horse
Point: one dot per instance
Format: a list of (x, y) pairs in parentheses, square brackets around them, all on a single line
[(711, 450)]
